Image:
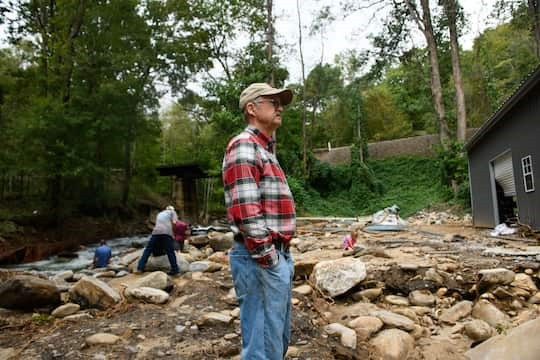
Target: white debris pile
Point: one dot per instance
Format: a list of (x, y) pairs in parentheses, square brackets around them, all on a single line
[(388, 216), (438, 217), (503, 229)]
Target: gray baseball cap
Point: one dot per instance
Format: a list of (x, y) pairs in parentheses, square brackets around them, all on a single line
[(255, 90)]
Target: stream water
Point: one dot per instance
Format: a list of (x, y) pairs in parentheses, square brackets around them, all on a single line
[(84, 256)]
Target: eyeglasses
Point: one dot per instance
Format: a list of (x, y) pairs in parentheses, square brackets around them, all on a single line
[(275, 102)]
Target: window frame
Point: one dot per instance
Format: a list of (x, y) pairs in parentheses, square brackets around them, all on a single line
[(527, 171)]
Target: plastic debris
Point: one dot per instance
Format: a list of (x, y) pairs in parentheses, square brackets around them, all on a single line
[(502, 229)]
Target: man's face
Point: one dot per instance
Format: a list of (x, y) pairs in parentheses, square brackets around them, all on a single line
[(266, 111)]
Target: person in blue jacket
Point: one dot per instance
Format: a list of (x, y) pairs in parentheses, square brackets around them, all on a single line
[(102, 256)]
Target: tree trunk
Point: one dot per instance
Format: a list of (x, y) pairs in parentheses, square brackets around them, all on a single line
[(127, 173), (269, 52), (314, 107), (534, 12), (451, 11), (425, 25), (359, 134), (73, 33), (304, 116), (270, 40)]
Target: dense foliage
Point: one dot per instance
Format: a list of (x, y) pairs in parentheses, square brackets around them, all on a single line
[(362, 190), (80, 84)]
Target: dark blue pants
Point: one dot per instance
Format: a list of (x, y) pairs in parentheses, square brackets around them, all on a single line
[(165, 241)]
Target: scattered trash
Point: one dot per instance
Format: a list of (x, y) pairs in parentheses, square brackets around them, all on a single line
[(502, 229), (203, 230), (438, 218), (385, 228)]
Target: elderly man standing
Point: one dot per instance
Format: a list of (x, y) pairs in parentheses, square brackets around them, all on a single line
[(261, 207)]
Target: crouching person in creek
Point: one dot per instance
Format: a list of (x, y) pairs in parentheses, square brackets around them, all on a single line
[(102, 255), (261, 209), (162, 237)]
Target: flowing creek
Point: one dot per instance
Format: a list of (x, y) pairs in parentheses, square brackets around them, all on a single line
[(83, 258)]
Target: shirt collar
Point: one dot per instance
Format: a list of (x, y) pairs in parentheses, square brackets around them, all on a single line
[(266, 141)]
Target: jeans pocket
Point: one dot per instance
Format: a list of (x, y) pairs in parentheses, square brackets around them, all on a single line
[(291, 266), (241, 273)]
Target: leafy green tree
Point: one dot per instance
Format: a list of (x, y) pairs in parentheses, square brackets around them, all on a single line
[(409, 85), (323, 87), (500, 59), (95, 66), (383, 118), (527, 13)]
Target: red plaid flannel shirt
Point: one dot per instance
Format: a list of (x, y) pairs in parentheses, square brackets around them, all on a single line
[(259, 201)]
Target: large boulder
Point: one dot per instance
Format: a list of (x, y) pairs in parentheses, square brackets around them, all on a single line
[(366, 325), (525, 282), (336, 277), (478, 330), (219, 257), (484, 310), (347, 335), (422, 298), (499, 276), (458, 311), (199, 241), (393, 344), (65, 310), (157, 280), (161, 263), (130, 257), (93, 292), (220, 241), (393, 320), (25, 292), (204, 266), (214, 318), (519, 343), (148, 294), (102, 339)]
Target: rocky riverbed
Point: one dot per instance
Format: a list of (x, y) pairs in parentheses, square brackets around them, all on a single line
[(437, 291)]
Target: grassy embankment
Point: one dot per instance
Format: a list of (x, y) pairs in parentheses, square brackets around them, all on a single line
[(413, 183)]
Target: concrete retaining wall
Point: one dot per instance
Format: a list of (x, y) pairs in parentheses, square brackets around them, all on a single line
[(417, 145)]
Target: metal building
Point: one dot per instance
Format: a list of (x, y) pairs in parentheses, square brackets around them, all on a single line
[(504, 160)]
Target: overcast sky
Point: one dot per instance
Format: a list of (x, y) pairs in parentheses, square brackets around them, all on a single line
[(351, 32), (345, 33)]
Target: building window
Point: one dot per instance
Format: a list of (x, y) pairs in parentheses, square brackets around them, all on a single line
[(528, 180)]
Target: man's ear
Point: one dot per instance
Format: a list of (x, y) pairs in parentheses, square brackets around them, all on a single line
[(250, 109)]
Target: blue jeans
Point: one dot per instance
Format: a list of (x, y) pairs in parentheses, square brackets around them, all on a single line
[(166, 241), (264, 295)]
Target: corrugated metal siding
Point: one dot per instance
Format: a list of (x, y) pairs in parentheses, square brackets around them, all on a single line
[(504, 174)]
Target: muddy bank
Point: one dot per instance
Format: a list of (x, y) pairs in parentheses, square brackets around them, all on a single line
[(37, 237)]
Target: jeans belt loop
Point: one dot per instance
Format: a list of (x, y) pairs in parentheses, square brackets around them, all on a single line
[(239, 237), (281, 246)]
